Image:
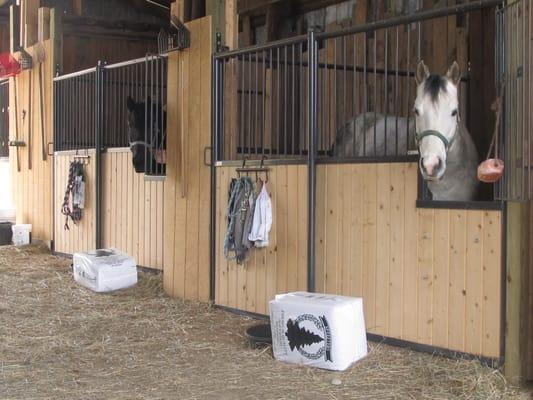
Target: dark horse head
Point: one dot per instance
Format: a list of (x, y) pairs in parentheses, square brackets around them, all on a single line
[(147, 140)]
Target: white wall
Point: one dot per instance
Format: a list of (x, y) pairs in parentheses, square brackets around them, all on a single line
[(6, 201)]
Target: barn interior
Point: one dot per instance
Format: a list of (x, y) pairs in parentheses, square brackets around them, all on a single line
[(425, 285)]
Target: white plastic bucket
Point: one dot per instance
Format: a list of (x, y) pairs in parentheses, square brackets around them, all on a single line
[(21, 234)]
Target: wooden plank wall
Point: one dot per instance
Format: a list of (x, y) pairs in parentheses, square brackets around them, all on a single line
[(282, 266), (187, 186), (132, 210), (81, 236), (430, 276), (32, 188)]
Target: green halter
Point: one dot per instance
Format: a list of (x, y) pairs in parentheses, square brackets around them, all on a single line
[(447, 143)]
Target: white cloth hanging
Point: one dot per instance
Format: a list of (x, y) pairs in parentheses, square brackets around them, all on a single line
[(262, 221)]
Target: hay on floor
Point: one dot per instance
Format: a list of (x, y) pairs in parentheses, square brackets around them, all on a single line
[(61, 341)]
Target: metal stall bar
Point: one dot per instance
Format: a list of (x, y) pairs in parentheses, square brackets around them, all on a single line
[(99, 112), (312, 83)]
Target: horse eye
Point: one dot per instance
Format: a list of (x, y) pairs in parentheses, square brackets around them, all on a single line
[(417, 112), (454, 113)]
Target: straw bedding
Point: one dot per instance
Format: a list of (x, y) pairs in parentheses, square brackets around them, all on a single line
[(61, 341)]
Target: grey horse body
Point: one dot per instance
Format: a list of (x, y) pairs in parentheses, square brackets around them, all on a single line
[(365, 135)]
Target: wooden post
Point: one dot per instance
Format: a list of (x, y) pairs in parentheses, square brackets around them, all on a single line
[(177, 9), (232, 25), (29, 17), (56, 34), (43, 18), (517, 300), (14, 28), (217, 10)]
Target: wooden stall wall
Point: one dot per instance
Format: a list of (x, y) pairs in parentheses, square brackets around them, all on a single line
[(187, 185), (80, 236), (32, 188), (282, 266), (132, 210), (430, 276)]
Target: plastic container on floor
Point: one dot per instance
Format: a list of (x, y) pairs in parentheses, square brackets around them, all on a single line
[(104, 270), (21, 234)]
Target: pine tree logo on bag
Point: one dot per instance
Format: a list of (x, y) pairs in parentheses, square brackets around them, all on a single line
[(311, 336)]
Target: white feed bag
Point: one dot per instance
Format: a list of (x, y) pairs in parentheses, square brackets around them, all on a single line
[(319, 330), (104, 270)]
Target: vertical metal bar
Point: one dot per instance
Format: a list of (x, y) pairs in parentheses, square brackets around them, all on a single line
[(344, 84), (375, 89), (278, 100), (264, 74), (99, 107), (301, 109), (293, 115), (249, 89), (408, 83), (326, 97), (365, 93), (311, 160), (354, 87), (385, 86), (335, 113), (285, 108), (528, 86), (271, 103), (256, 97), (242, 97), (396, 93)]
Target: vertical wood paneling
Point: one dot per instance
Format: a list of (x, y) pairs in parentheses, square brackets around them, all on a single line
[(186, 199), (133, 214), (81, 236), (273, 269), (430, 276), (32, 188), (124, 205)]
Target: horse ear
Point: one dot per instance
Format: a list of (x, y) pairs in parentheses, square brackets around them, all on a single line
[(422, 72), (454, 73), (130, 103)]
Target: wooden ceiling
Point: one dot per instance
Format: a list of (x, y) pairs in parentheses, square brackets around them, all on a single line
[(256, 8)]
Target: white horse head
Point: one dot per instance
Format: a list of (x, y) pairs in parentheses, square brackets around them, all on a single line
[(437, 118)]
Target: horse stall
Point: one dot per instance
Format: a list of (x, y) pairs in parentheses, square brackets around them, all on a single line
[(142, 189), (58, 40), (352, 214), (124, 191)]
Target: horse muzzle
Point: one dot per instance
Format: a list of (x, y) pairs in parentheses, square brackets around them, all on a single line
[(432, 170)]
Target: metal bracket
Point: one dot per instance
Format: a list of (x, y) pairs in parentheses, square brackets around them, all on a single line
[(178, 38), (219, 46)]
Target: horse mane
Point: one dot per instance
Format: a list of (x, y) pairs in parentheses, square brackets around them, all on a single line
[(433, 85)]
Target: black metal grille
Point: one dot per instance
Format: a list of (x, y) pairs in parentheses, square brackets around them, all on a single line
[(365, 72), (513, 70), (264, 98), (4, 119), (76, 100)]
